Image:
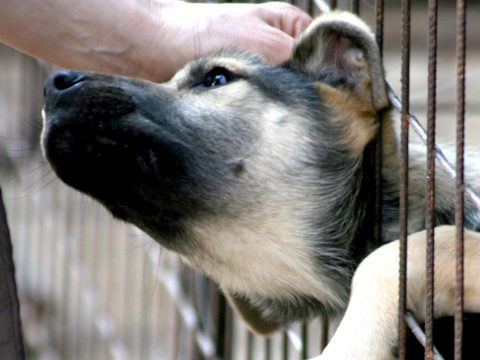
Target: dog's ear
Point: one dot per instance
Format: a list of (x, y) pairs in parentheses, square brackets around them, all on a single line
[(339, 50), (252, 316)]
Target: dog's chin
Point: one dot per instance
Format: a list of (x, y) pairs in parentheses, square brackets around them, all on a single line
[(121, 174), (87, 161)]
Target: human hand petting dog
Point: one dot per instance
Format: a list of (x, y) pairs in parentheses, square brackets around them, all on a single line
[(268, 29), (148, 39)]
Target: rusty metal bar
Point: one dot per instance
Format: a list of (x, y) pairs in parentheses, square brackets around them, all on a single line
[(430, 192), (405, 77), (419, 334), (440, 156), (379, 23), (459, 183)]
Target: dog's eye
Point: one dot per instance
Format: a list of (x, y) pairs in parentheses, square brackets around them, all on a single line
[(218, 76)]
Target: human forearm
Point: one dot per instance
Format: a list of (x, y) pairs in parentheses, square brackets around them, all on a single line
[(108, 36), (145, 38)]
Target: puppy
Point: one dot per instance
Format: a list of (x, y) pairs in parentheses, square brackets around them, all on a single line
[(261, 177)]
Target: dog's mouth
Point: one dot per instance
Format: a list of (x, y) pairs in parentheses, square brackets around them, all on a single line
[(98, 142), (85, 156)]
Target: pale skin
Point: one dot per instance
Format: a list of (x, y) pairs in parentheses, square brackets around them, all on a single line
[(145, 38)]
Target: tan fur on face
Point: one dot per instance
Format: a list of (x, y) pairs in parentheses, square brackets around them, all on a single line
[(356, 116), (262, 260), (263, 253)]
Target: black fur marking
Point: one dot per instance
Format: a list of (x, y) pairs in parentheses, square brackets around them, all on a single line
[(284, 86), (443, 217), (364, 236)]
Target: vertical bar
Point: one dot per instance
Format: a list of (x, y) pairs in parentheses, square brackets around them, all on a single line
[(304, 332), (220, 325), (124, 288), (11, 334), (402, 330), (429, 214), (229, 333), (333, 4), (93, 281), (250, 341), (268, 348), (190, 284), (460, 187), (66, 284), (379, 23), (56, 266), (285, 345), (77, 244), (224, 329), (310, 7), (355, 6), (175, 322), (136, 263), (324, 336), (174, 331)]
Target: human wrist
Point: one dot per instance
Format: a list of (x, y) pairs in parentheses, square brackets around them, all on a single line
[(156, 51)]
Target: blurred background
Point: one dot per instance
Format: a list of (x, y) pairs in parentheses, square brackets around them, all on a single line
[(94, 288)]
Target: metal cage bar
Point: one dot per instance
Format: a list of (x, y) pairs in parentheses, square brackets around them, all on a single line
[(405, 106), (430, 192), (459, 170)]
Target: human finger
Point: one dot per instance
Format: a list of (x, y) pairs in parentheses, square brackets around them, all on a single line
[(274, 45), (284, 17)]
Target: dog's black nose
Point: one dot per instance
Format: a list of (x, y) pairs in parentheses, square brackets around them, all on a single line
[(65, 79)]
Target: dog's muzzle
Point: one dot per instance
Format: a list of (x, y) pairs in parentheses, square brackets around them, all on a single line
[(84, 97)]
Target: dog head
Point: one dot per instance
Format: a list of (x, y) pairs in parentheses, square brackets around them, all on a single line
[(250, 172)]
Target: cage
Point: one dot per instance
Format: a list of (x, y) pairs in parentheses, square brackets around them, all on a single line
[(94, 288)]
